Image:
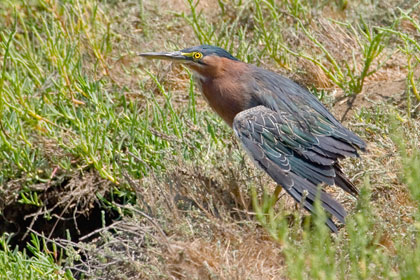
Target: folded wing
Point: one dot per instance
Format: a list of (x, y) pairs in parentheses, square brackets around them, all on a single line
[(297, 156)]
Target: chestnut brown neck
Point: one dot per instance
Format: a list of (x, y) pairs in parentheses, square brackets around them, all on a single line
[(221, 81)]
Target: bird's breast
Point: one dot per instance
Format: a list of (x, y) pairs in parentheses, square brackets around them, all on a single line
[(226, 96)]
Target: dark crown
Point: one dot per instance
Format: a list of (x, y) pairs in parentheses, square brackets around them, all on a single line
[(209, 50)]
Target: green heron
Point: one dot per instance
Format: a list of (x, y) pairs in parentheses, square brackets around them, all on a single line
[(283, 127)]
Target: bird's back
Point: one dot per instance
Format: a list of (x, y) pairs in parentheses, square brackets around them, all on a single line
[(284, 95)]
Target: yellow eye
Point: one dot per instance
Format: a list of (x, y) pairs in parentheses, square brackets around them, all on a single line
[(197, 55)]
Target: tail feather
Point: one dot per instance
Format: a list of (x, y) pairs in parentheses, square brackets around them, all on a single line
[(297, 191), (343, 182)]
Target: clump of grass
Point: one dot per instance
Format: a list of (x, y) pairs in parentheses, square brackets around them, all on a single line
[(348, 76), (410, 47), (15, 264), (229, 34)]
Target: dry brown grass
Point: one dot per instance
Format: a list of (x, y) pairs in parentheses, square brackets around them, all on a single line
[(227, 257)]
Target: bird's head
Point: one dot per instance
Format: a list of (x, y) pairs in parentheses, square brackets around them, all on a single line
[(203, 59)]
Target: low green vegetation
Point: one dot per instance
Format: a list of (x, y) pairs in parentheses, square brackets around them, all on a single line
[(113, 167), (15, 264)]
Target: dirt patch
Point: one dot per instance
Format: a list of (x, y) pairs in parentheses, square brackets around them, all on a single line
[(387, 86), (389, 92), (209, 7), (70, 207)]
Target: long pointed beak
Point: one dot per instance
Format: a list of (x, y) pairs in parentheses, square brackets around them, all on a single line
[(174, 56)]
